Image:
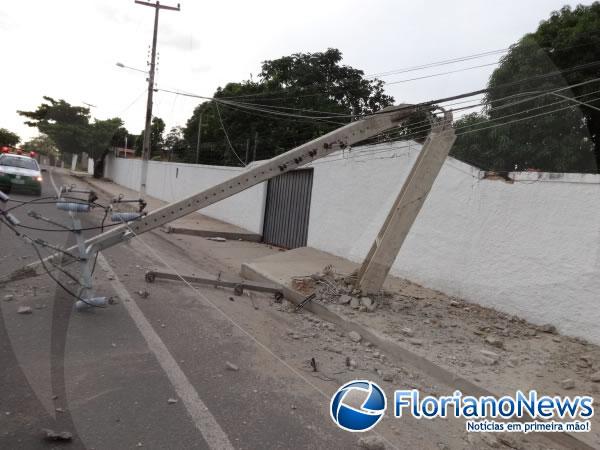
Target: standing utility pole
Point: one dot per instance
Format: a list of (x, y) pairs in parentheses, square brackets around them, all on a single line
[(247, 150), (147, 129), (255, 143), (198, 141)]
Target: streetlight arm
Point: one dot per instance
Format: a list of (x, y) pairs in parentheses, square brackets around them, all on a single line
[(123, 66)]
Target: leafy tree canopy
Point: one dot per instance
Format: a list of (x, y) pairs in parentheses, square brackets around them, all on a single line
[(41, 144), (8, 138), (71, 129), (567, 140), (157, 141), (303, 81)]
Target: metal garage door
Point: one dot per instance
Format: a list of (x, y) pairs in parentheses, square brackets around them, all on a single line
[(287, 209)]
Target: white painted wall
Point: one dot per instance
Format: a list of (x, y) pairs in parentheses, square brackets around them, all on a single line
[(90, 166), (530, 248), (173, 181)]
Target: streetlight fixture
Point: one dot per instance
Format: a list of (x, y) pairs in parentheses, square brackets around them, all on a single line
[(123, 66)]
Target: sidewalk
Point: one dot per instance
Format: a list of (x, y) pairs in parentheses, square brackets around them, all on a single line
[(195, 224)]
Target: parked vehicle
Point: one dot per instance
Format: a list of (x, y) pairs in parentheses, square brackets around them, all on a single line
[(20, 172)]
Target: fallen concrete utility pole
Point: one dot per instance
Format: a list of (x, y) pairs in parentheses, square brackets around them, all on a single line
[(406, 207), (320, 147)]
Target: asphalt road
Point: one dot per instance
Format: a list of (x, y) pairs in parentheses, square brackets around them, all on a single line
[(107, 375)]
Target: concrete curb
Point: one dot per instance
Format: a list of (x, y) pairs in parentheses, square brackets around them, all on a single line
[(400, 353), (250, 237)]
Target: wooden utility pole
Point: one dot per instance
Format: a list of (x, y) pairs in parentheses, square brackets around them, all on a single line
[(147, 129)]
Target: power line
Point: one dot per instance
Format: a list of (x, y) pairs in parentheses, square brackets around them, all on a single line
[(226, 135), (439, 63), (422, 104), (552, 49), (441, 73), (418, 130)]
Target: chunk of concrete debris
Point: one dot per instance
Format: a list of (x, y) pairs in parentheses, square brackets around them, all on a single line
[(508, 441), (407, 332), (388, 376), (9, 298), (416, 341), (354, 336), (231, 366), (24, 310), (372, 443), (595, 377), (51, 435), (456, 304), (217, 239), (488, 358), (143, 293), (490, 440), (172, 401), (344, 299), (368, 303), (332, 349), (587, 360), (547, 328), (494, 342), (567, 384), (354, 303)]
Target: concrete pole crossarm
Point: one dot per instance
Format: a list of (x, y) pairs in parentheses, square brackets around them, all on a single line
[(318, 148), (406, 207)]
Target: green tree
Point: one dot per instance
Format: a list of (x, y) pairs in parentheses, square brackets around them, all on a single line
[(157, 141), (565, 141), (65, 124), (175, 145), (8, 138), (303, 81), (41, 144), (70, 128), (121, 137)]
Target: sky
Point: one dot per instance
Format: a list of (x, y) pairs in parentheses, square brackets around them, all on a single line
[(68, 49)]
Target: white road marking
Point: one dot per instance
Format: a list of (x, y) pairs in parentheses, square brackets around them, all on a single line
[(52, 181), (206, 423)]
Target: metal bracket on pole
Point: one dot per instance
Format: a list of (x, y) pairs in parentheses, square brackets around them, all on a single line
[(238, 286), (406, 207), (87, 254)]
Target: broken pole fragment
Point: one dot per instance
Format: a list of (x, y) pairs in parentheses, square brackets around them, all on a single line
[(406, 207)]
